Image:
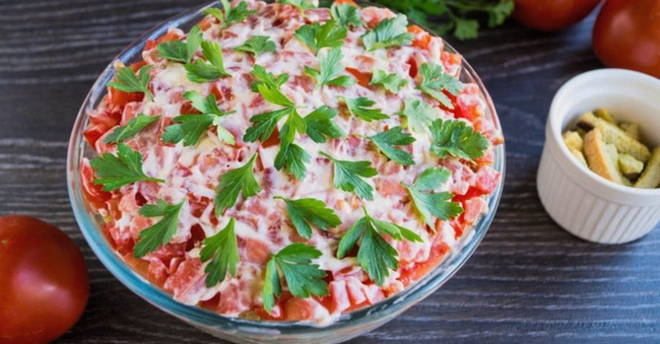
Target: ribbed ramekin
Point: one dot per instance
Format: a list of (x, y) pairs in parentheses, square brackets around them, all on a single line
[(583, 203)]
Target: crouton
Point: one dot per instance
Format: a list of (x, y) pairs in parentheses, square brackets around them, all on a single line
[(650, 178), (630, 166), (573, 140), (605, 115), (579, 156), (611, 134), (632, 129), (602, 158)]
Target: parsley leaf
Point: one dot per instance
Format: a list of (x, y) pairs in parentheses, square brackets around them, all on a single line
[(132, 128), (375, 255), (466, 28), (305, 212), (189, 128), (203, 71), (331, 70), (430, 204), (222, 250), (257, 45), (391, 82), (127, 81), (319, 125), (434, 81), (348, 176), (294, 123), (234, 182), (301, 5), (361, 108), (302, 277), (123, 169), (456, 138), (292, 158), (263, 125), (419, 114), (386, 140), (346, 14), (229, 15), (262, 76), (316, 36), (179, 51), (274, 95), (388, 33), (162, 231)]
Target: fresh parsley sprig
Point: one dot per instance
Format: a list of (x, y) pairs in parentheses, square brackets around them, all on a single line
[(132, 128), (292, 158), (303, 278), (456, 138), (419, 114), (234, 183), (301, 5), (375, 255), (257, 45), (262, 76), (127, 81), (456, 16), (331, 71), (390, 81), (387, 141), (179, 51), (346, 14), (211, 69), (125, 168), (435, 81), (229, 15), (161, 232), (388, 33), (222, 251), (348, 176), (320, 126), (429, 204), (305, 212), (318, 36), (189, 128), (362, 108)]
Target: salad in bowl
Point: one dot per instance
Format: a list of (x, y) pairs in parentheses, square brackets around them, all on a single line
[(285, 172)]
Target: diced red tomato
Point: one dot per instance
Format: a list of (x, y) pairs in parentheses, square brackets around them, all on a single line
[(413, 67), (422, 38), (93, 193), (350, 2), (472, 209), (417, 271), (253, 250), (487, 179), (362, 78)]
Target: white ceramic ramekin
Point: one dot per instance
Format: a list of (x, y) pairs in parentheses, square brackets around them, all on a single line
[(585, 204)]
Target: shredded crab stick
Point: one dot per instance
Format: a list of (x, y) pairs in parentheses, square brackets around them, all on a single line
[(281, 162)]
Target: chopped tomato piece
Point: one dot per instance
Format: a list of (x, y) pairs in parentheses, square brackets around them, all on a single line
[(350, 2), (412, 71), (93, 193), (362, 78), (422, 38)]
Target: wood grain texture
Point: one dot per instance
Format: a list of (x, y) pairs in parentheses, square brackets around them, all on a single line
[(528, 282)]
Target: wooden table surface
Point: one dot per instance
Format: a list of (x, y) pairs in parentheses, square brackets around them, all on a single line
[(529, 281)]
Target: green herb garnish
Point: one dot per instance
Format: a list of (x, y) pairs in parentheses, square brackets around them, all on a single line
[(162, 231), (387, 140), (456, 138), (212, 69), (346, 14), (222, 251), (132, 128), (419, 114), (189, 128), (429, 204), (316, 36), (125, 168), (127, 81), (229, 15), (375, 255), (331, 71), (305, 212), (362, 108), (257, 45), (237, 181), (434, 81), (302, 277), (179, 51), (320, 126), (389, 32), (348, 176), (391, 82)]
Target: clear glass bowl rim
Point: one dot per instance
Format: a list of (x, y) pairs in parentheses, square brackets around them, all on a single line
[(154, 295)]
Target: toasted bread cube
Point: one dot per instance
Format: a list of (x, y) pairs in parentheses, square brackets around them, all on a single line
[(573, 140), (605, 115), (629, 165), (650, 178), (614, 135), (601, 157), (632, 129), (579, 156)]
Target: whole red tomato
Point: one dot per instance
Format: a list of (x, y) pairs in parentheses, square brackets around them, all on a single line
[(551, 15), (627, 35), (43, 281)]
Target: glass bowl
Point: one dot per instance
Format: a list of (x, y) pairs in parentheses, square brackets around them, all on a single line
[(241, 330)]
